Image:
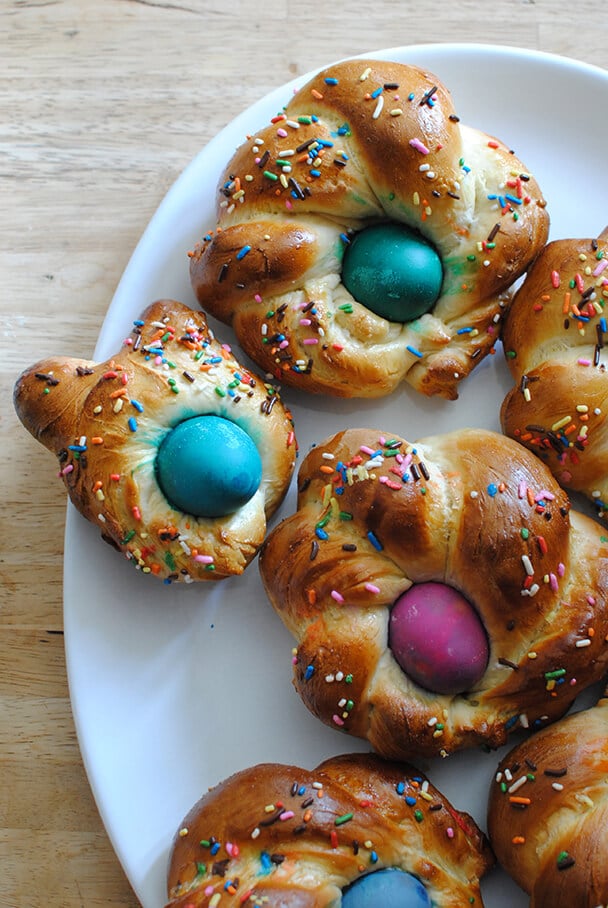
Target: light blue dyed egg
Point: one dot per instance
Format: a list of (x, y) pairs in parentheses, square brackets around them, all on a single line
[(393, 271), (388, 888), (208, 466)]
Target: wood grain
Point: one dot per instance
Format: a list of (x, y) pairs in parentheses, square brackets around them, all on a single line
[(104, 102)]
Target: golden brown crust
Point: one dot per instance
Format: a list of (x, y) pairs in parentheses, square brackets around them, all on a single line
[(554, 338), (290, 836), (105, 421), (388, 147), (479, 513), (550, 831)]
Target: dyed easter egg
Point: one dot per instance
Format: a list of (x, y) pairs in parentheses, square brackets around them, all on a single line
[(438, 639), (208, 466), (393, 271), (388, 888)]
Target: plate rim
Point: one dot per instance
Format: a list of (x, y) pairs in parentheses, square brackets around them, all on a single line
[(450, 49)]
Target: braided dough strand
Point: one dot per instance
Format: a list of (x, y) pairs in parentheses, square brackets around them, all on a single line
[(550, 832), (289, 836), (554, 340), (105, 422), (347, 152), (477, 512)]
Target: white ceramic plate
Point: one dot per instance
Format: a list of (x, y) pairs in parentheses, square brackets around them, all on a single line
[(173, 688)]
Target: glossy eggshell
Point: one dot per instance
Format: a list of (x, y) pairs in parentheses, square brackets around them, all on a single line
[(438, 639), (393, 271), (388, 888), (208, 466)]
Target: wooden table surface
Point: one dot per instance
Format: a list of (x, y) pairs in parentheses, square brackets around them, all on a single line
[(104, 102)]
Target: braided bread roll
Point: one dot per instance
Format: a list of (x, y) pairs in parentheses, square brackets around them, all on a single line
[(474, 512), (366, 141), (550, 831), (106, 421), (278, 835), (554, 339)]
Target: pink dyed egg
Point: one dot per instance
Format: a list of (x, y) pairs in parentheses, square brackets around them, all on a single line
[(437, 638)]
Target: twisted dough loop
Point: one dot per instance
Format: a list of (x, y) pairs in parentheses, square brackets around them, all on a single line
[(334, 162), (105, 422), (554, 340), (479, 513), (551, 832), (347, 817)]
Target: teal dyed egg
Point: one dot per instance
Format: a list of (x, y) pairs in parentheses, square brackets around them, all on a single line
[(388, 888), (208, 466), (393, 271)]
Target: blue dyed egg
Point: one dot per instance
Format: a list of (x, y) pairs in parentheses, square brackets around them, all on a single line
[(438, 639), (208, 466), (389, 888), (393, 271)]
